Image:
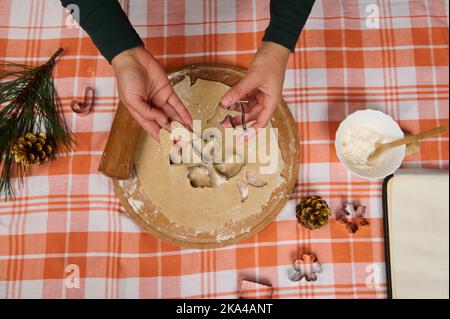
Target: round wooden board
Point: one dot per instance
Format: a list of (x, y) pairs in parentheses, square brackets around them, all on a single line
[(140, 208)]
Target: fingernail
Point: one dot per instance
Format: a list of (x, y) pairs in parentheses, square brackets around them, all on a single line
[(183, 144), (180, 142), (225, 102), (162, 120)]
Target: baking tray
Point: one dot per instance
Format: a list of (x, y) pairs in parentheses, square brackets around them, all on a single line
[(387, 255)]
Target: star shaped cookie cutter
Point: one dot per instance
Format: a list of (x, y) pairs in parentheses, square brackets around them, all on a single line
[(242, 105)]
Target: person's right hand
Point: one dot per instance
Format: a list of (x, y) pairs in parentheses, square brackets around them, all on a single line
[(145, 90), (262, 87)]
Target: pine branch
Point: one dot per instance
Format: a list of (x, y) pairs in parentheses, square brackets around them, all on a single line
[(28, 104)]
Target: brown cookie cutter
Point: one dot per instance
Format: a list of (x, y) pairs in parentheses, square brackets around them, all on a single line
[(83, 108)]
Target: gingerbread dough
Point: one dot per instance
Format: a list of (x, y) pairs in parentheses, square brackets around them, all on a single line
[(169, 188)]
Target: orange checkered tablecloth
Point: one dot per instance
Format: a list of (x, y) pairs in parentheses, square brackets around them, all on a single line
[(67, 223)]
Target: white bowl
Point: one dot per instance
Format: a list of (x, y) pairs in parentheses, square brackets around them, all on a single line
[(388, 128)]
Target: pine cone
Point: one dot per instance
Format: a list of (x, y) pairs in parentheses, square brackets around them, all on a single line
[(313, 212), (32, 149)]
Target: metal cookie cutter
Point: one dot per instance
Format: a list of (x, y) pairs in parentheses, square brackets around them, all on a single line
[(242, 104), (242, 108), (85, 107)]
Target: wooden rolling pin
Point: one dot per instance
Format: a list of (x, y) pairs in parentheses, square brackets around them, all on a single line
[(117, 158)]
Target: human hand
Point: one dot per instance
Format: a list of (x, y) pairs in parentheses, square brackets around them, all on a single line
[(262, 86), (145, 90)]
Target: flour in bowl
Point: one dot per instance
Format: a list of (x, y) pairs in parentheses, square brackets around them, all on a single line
[(358, 143)]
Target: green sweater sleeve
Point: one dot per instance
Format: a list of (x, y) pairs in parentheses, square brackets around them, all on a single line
[(107, 25), (111, 31), (287, 18)]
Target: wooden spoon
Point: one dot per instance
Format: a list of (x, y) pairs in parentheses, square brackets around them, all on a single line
[(383, 147)]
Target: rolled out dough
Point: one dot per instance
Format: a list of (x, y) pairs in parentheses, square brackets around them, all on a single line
[(168, 187)]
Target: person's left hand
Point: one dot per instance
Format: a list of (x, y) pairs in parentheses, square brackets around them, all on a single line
[(262, 86), (145, 90)]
